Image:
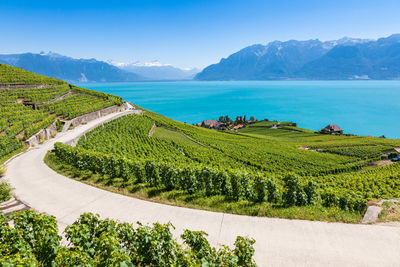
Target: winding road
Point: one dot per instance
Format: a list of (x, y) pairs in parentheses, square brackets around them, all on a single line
[(279, 242)]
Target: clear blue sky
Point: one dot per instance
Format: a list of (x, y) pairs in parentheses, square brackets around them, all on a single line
[(183, 33)]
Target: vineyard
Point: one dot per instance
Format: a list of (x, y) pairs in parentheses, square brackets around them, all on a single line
[(33, 240), (19, 119), (39, 95), (258, 164), (15, 76), (76, 105)]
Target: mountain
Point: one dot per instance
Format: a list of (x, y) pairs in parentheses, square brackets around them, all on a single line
[(157, 71), (346, 58), (69, 69)]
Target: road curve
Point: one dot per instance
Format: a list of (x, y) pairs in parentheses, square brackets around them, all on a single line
[(280, 242)]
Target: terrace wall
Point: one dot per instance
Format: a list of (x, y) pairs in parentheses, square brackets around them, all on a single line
[(42, 135), (51, 131), (91, 116)]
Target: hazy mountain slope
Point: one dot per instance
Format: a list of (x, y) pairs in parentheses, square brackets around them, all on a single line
[(346, 58), (158, 71), (374, 60), (69, 69)]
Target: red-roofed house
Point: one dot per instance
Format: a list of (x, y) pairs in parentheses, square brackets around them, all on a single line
[(239, 126), (212, 124)]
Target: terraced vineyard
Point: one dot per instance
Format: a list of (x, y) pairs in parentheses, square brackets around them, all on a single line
[(258, 164), (76, 105), (256, 167), (38, 95), (19, 119), (15, 76)]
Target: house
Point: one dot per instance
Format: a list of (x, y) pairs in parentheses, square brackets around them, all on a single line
[(214, 124), (397, 150), (332, 128), (304, 148), (239, 126)]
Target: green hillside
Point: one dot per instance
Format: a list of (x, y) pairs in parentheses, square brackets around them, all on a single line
[(15, 76), (19, 119), (257, 171)]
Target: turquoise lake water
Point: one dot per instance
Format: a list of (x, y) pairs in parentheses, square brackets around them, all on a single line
[(358, 107)]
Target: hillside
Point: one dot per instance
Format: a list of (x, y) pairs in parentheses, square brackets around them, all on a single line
[(69, 69), (257, 171), (342, 59), (30, 102), (10, 76)]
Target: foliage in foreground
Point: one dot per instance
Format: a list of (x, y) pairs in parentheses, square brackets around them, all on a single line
[(5, 191), (33, 240)]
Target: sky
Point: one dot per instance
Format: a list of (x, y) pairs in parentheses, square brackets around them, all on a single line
[(183, 33)]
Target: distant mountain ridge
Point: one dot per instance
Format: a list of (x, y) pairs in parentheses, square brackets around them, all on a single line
[(343, 59), (157, 71), (69, 69)]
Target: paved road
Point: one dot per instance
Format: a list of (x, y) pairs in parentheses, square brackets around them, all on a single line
[(279, 242)]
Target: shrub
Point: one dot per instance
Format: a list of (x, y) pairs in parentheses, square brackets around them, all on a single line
[(236, 186), (294, 194), (244, 251), (2, 170), (33, 240), (5, 192), (311, 190), (274, 194), (260, 188), (32, 237)]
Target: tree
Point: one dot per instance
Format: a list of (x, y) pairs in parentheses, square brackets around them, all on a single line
[(252, 118), (228, 120)]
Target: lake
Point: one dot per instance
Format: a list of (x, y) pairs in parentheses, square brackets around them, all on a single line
[(358, 107)]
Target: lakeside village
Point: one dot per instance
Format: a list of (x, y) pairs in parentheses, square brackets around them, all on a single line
[(226, 123)]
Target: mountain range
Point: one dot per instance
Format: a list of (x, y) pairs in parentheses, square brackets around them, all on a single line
[(157, 71), (342, 59), (69, 69), (92, 70)]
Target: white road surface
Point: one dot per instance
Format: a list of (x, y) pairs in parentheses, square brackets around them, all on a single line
[(279, 242)]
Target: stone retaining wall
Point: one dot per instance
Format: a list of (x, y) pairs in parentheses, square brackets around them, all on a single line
[(42, 135), (91, 116), (20, 86), (35, 105), (74, 141), (51, 131)]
